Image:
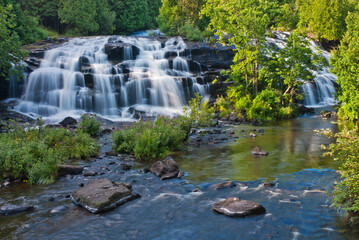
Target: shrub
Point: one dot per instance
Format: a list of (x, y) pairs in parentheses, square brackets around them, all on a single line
[(90, 125), (345, 150), (33, 153), (197, 114), (150, 140), (265, 106), (191, 32)]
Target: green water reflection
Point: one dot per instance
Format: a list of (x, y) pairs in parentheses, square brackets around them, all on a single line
[(293, 146)]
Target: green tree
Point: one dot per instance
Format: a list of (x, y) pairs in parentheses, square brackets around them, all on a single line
[(131, 15), (87, 17), (346, 66), (10, 44), (325, 18)]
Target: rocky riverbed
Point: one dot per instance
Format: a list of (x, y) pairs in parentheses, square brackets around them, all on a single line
[(217, 165)]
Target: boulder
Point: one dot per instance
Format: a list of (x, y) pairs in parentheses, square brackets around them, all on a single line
[(14, 209), (236, 207), (165, 169), (259, 152), (101, 195), (223, 185), (68, 121), (64, 170), (126, 166)]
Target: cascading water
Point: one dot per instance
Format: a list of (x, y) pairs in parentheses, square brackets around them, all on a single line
[(78, 77), (321, 92)]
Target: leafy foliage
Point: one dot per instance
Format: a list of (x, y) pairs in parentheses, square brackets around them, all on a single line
[(345, 150), (90, 125), (346, 66), (33, 153), (326, 18), (150, 140), (263, 77)]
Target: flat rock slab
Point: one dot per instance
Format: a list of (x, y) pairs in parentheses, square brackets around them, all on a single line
[(101, 195), (14, 209), (64, 170), (259, 152), (236, 207)]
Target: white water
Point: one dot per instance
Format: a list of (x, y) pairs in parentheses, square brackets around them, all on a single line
[(58, 88), (321, 92)]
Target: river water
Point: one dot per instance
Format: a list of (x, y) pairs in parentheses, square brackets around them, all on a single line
[(297, 206)]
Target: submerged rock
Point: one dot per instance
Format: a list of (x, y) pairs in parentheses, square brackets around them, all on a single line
[(223, 185), (165, 169), (259, 152), (101, 195), (64, 170), (14, 209), (236, 207)]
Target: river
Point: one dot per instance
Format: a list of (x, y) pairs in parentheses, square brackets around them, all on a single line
[(298, 206)]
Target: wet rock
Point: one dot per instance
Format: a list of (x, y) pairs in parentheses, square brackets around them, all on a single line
[(116, 51), (253, 135), (268, 184), (113, 154), (144, 170), (68, 121), (111, 163), (64, 170), (90, 174), (102, 195), (165, 169), (223, 185), (230, 132), (51, 199), (205, 131), (14, 209), (169, 175), (236, 207), (58, 209), (7, 183), (81, 185), (126, 166), (196, 190), (261, 131), (180, 174), (259, 152)]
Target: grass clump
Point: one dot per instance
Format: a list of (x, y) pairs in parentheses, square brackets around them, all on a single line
[(33, 153), (90, 125)]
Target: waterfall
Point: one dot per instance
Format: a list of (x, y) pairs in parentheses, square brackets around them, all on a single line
[(91, 75), (320, 92)]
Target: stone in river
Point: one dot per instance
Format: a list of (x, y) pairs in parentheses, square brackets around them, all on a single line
[(101, 195), (14, 209), (260, 152), (236, 207), (64, 170), (223, 185), (165, 169)]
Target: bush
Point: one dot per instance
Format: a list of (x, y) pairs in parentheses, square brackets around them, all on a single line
[(89, 125), (345, 150), (265, 106), (150, 140), (196, 114), (33, 153), (191, 32)]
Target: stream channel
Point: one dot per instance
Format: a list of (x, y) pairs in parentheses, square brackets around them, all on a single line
[(297, 206)]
